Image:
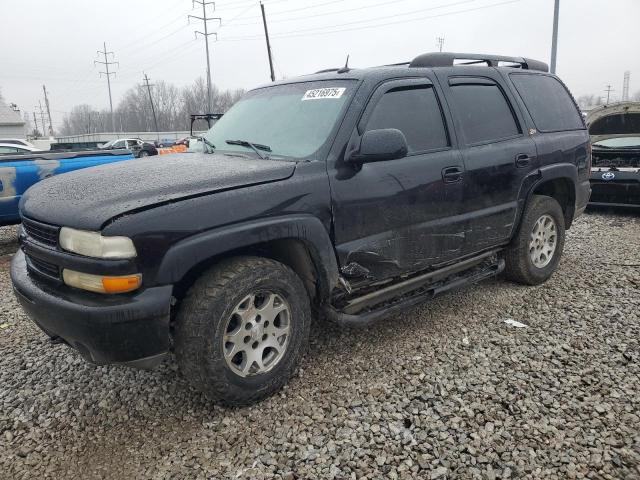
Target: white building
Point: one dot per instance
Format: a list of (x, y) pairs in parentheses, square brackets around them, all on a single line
[(11, 123)]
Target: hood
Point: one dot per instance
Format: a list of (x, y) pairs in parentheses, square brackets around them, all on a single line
[(614, 121), (87, 199)]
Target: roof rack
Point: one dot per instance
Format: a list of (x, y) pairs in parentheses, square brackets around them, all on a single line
[(447, 59)]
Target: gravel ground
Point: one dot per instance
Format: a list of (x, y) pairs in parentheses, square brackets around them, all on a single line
[(445, 390)]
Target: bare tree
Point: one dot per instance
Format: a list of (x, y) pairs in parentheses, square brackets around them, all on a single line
[(133, 113)]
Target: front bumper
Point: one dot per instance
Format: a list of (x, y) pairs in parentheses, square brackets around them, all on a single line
[(615, 188), (131, 329)]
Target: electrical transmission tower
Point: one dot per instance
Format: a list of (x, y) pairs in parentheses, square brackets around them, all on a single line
[(46, 103), (609, 89), (439, 43), (153, 109), (205, 21), (41, 110), (625, 86), (108, 74)]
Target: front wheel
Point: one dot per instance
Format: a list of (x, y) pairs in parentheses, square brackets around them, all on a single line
[(535, 252), (242, 330), (143, 153)]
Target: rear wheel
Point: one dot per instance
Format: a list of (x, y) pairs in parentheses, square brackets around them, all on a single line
[(242, 329), (535, 253)]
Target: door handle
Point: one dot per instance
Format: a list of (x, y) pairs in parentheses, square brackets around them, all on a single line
[(522, 160), (451, 174)]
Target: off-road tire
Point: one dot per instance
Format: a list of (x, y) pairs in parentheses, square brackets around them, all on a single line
[(519, 266), (202, 319)]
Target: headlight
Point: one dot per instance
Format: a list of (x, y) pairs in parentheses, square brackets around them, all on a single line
[(92, 244), (101, 284)]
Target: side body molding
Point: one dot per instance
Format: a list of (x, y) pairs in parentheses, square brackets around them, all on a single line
[(190, 252)]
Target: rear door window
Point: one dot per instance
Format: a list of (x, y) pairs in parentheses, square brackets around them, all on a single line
[(548, 102), (414, 111), (483, 112)]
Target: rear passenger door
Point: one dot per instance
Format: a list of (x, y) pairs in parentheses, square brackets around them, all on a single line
[(498, 154)]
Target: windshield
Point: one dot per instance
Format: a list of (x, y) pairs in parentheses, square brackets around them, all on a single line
[(108, 144), (622, 142), (294, 120)]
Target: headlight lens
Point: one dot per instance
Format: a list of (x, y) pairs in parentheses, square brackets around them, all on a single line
[(93, 244), (101, 284)]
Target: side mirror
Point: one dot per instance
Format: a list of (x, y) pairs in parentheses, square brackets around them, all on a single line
[(196, 145), (380, 145)]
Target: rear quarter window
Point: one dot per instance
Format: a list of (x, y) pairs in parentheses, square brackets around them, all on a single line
[(548, 102)]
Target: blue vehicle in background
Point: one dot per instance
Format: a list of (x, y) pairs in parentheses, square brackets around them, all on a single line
[(18, 171)]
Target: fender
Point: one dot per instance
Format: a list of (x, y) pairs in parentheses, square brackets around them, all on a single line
[(537, 177), (188, 253)]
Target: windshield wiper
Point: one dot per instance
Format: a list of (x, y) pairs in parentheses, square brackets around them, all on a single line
[(256, 147), (208, 143)]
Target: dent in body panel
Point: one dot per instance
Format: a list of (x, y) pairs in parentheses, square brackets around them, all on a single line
[(7, 183), (396, 252)]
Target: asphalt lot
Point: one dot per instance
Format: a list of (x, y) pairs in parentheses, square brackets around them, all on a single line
[(445, 390)]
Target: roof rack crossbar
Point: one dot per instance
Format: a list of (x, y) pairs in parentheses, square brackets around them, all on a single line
[(447, 59)]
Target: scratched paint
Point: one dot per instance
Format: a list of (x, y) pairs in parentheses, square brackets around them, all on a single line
[(46, 168), (8, 183)]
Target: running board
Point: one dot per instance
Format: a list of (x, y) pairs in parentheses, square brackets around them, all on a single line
[(348, 319)]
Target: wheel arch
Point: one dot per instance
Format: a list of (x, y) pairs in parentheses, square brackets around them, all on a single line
[(556, 181), (301, 242)]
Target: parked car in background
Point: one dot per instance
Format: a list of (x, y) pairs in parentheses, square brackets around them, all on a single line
[(352, 193), (21, 170), (138, 147), (615, 172), (165, 142), (16, 148), (18, 141)]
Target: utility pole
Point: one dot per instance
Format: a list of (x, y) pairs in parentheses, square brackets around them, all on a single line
[(608, 90), (39, 107), (440, 43), (206, 34), (155, 120), (35, 125), (108, 74), (554, 39), (46, 103), (266, 34)]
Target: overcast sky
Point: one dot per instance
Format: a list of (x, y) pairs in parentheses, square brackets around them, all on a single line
[(54, 42)]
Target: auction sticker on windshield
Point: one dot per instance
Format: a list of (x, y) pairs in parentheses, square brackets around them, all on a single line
[(321, 93)]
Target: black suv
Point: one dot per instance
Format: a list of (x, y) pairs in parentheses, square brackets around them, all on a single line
[(347, 195)]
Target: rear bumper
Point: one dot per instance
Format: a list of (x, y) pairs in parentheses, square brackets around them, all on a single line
[(131, 329), (617, 188)]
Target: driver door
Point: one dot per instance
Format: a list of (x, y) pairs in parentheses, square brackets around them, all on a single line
[(398, 216)]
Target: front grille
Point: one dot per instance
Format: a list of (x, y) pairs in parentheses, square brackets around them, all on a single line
[(41, 232), (42, 268)]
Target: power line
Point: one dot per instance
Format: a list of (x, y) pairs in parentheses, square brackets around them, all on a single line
[(324, 31), (206, 35), (108, 74), (323, 14)]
